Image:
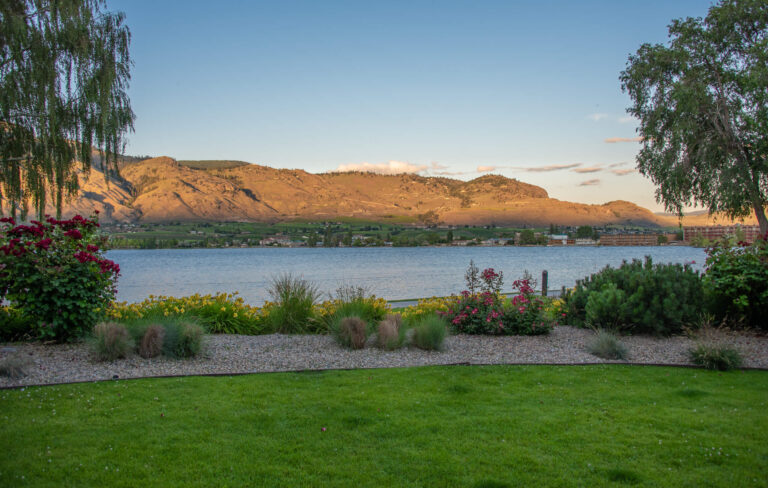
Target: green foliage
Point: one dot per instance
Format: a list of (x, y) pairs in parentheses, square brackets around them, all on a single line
[(716, 356), (64, 73), (111, 341), (736, 283), (55, 274), (293, 311), (14, 326), (637, 297), (701, 103), (606, 345), (606, 308), (222, 313), (429, 333)]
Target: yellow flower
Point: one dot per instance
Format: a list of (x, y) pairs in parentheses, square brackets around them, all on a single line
[(234, 314), (223, 309)]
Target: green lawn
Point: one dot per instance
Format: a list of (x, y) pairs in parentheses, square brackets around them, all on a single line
[(488, 426)]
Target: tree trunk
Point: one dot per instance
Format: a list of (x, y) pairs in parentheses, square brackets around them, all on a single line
[(761, 220)]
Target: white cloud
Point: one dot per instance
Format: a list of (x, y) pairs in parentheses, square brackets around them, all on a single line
[(551, 167), (627, 119), (623, 172), (388, 168), (435, 165), (613, 140), (597, 117), (590, 182), (616, 165), (486, 169), (588, 169)]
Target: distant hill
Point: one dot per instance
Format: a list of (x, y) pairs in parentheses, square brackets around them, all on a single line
[(212, 164), (163, 189)]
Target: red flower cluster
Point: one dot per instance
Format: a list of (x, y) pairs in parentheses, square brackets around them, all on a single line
[(74, 234)]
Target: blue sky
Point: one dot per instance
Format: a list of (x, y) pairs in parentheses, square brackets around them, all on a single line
[(526, 89)]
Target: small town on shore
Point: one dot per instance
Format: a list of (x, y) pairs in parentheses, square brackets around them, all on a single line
[(340, 234)]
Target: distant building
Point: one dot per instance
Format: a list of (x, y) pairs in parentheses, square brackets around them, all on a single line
[(557, 240), (629, 240), (586, 242), (714, 232)]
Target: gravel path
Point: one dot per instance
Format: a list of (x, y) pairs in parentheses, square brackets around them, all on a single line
[(224, 354)]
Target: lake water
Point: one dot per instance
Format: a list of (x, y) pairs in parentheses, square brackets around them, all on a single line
[(391, 273)]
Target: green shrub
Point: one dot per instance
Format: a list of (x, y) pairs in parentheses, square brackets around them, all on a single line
[(111, 341), (606, 308), (607, 346), (715, 356), (54, 273), (14, 326), (637, 297), (736, 282), (429, 333), (390, 334), (293, 309)]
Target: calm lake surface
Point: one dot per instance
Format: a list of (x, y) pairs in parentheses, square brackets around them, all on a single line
[(391, 273)]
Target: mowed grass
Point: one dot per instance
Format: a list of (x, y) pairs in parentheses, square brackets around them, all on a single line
[(492, 426)]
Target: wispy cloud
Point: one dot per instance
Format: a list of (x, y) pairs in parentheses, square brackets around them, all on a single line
[(623, 172), (613, 140), (588, 169), (551, 167), (388, 168), (436, 166), (486, 169), (590, 182), (627, 119), (616, 165), (597, 117)]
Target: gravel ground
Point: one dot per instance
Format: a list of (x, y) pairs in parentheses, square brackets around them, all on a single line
[(45, 364)]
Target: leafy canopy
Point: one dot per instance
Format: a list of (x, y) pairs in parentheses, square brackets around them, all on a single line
[(701, 102), (64, 72)]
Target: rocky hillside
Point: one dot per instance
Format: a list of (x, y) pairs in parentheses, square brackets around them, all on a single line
[(163, 189)]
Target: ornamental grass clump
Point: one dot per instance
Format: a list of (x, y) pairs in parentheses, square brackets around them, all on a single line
[(715, 356), (55, 273), (151, 344), (429, 333), (111, 341), (606, 345), (293, 310), (390, 334), (351, 332), (14, 367), (351, 301), (711, 349), (183, 338)]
